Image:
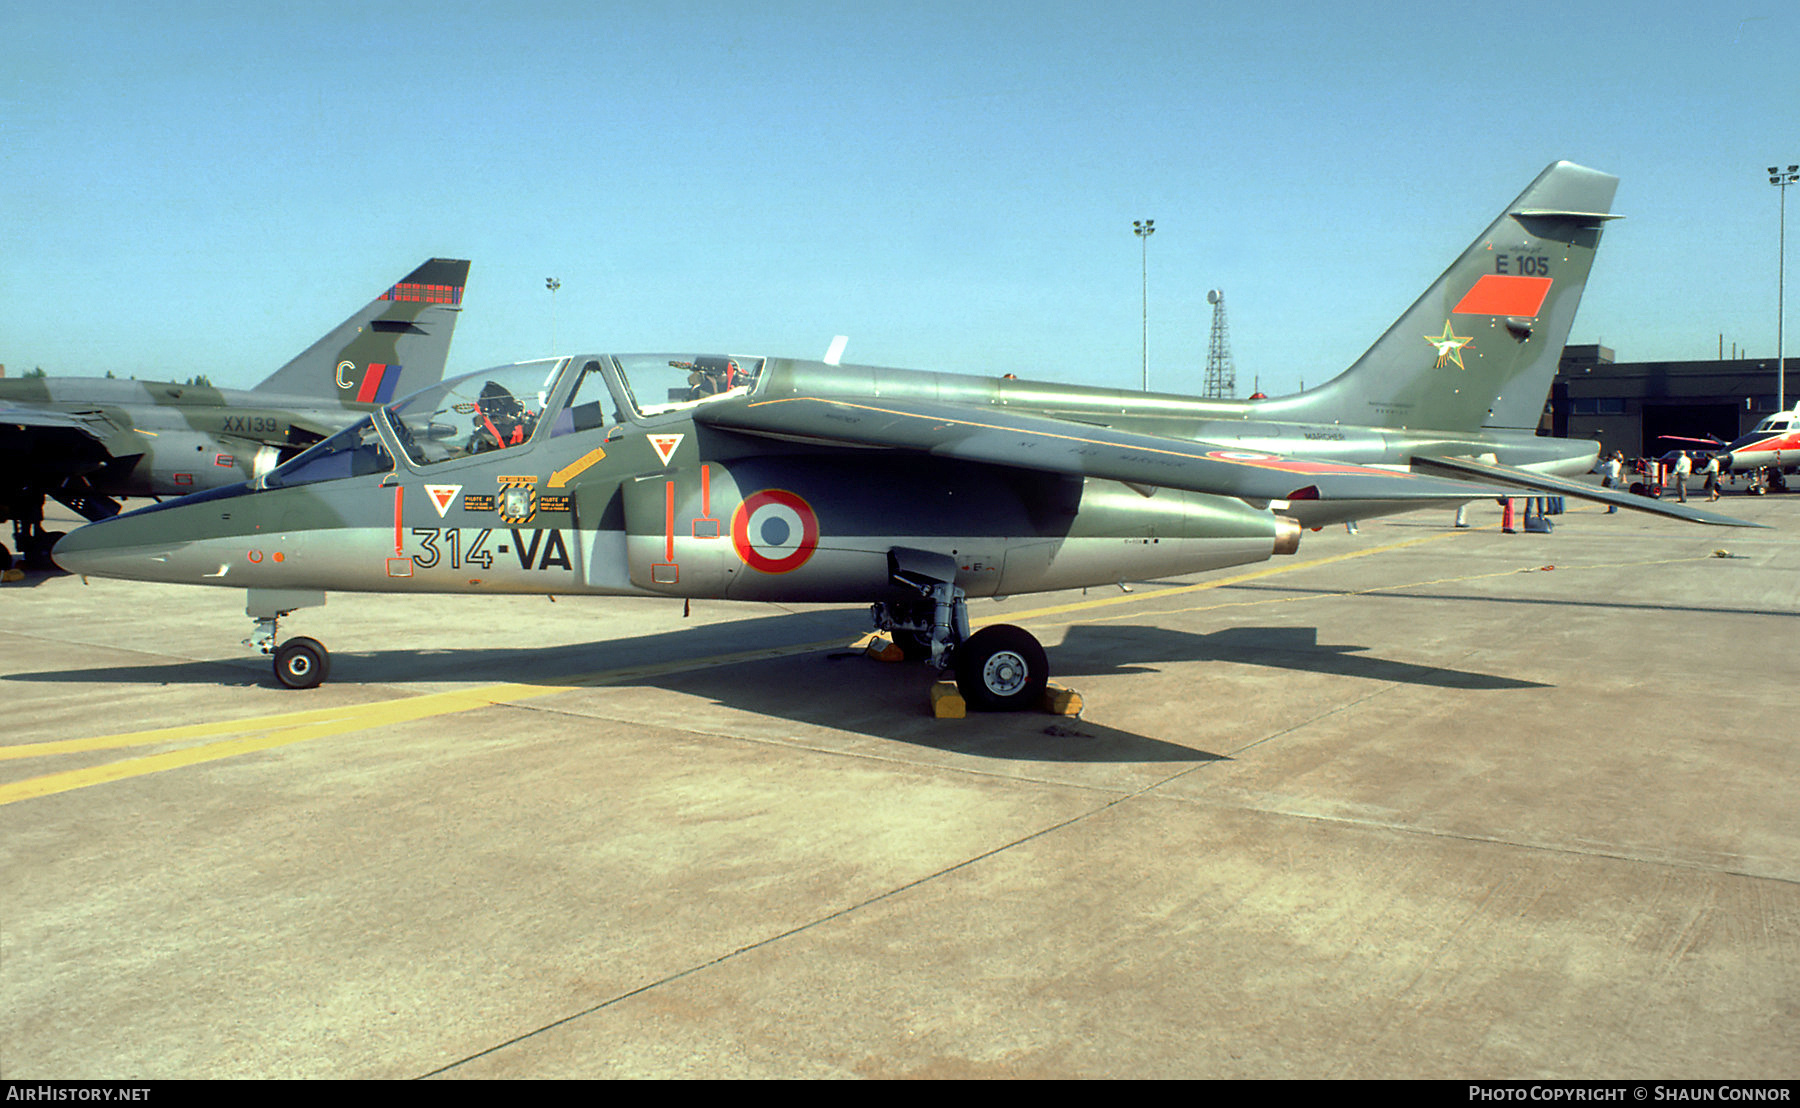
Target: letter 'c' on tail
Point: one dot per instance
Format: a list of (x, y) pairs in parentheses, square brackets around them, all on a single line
[(407, 328)]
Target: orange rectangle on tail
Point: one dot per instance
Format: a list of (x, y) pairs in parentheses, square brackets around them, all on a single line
[(1501, 294)]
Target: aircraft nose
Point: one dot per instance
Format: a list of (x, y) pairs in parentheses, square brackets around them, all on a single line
[(168, 541), (124, 546), (88, 549)]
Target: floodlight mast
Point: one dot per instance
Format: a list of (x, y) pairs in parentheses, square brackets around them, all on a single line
[(1143, 229), (1781, 179)]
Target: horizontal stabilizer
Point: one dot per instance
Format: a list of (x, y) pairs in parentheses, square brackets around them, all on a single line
[(1494, 474)]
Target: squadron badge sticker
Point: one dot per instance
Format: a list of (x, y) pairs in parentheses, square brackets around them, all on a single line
[(517, 502)]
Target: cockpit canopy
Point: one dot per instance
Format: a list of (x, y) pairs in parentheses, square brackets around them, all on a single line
[(493, 409), (506, 407), (356, 451), (708, 377)]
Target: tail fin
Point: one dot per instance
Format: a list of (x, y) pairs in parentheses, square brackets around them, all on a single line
[(1480, 348), (408, 328)]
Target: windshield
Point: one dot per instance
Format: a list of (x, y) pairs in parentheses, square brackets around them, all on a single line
[(355, 451), (665, 382), (494, 409), (588, 404)]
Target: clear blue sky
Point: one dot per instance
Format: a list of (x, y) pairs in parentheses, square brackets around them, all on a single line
[(205, 188)]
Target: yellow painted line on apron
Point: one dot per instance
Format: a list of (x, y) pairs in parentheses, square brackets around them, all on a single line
[(402, 709), (285, 728), (349, 714), (266, 732)]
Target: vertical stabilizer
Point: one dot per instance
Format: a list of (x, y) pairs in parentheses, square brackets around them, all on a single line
[(401, 336), (1481, 347)]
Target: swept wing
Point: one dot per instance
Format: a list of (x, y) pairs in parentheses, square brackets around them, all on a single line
[(999, 437), (52, 443), (22, 417), (1494, 474)]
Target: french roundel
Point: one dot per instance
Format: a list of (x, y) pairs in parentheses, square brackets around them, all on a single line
[(774, 531)]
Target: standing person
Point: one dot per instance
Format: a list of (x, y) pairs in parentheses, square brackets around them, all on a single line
[(1609, 479), (1684, 465), (1712, 477)]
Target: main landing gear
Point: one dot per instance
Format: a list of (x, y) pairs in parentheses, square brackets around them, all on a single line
[(31, 543), (1766, 480), (998, 669), (1001, 669), (300, 662)]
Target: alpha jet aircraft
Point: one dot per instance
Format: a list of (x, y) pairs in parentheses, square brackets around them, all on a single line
[(773, 479), (87, 441)]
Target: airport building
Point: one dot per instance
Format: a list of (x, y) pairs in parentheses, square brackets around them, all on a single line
[(1629, 406)]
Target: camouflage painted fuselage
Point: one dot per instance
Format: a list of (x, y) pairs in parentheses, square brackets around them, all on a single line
[(658, 502), (791, 480), (140, 438)]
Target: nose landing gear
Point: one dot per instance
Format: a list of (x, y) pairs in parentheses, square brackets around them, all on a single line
[(300, 662)]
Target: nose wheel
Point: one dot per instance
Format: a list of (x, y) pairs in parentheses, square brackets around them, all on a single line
[(302, 663)]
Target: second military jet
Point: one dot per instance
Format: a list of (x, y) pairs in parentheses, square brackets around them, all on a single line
[(88, 441)]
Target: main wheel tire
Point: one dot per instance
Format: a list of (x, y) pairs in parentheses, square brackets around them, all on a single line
[(1001, 669), (302, 663), (6, 558)]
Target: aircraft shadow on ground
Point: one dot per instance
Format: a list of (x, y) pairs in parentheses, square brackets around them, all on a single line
[(1104, 650), (33, 578), (831, 687), (840, 688), (1535, 601)]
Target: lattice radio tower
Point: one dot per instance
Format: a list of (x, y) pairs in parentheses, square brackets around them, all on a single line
[(1221, 376)]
